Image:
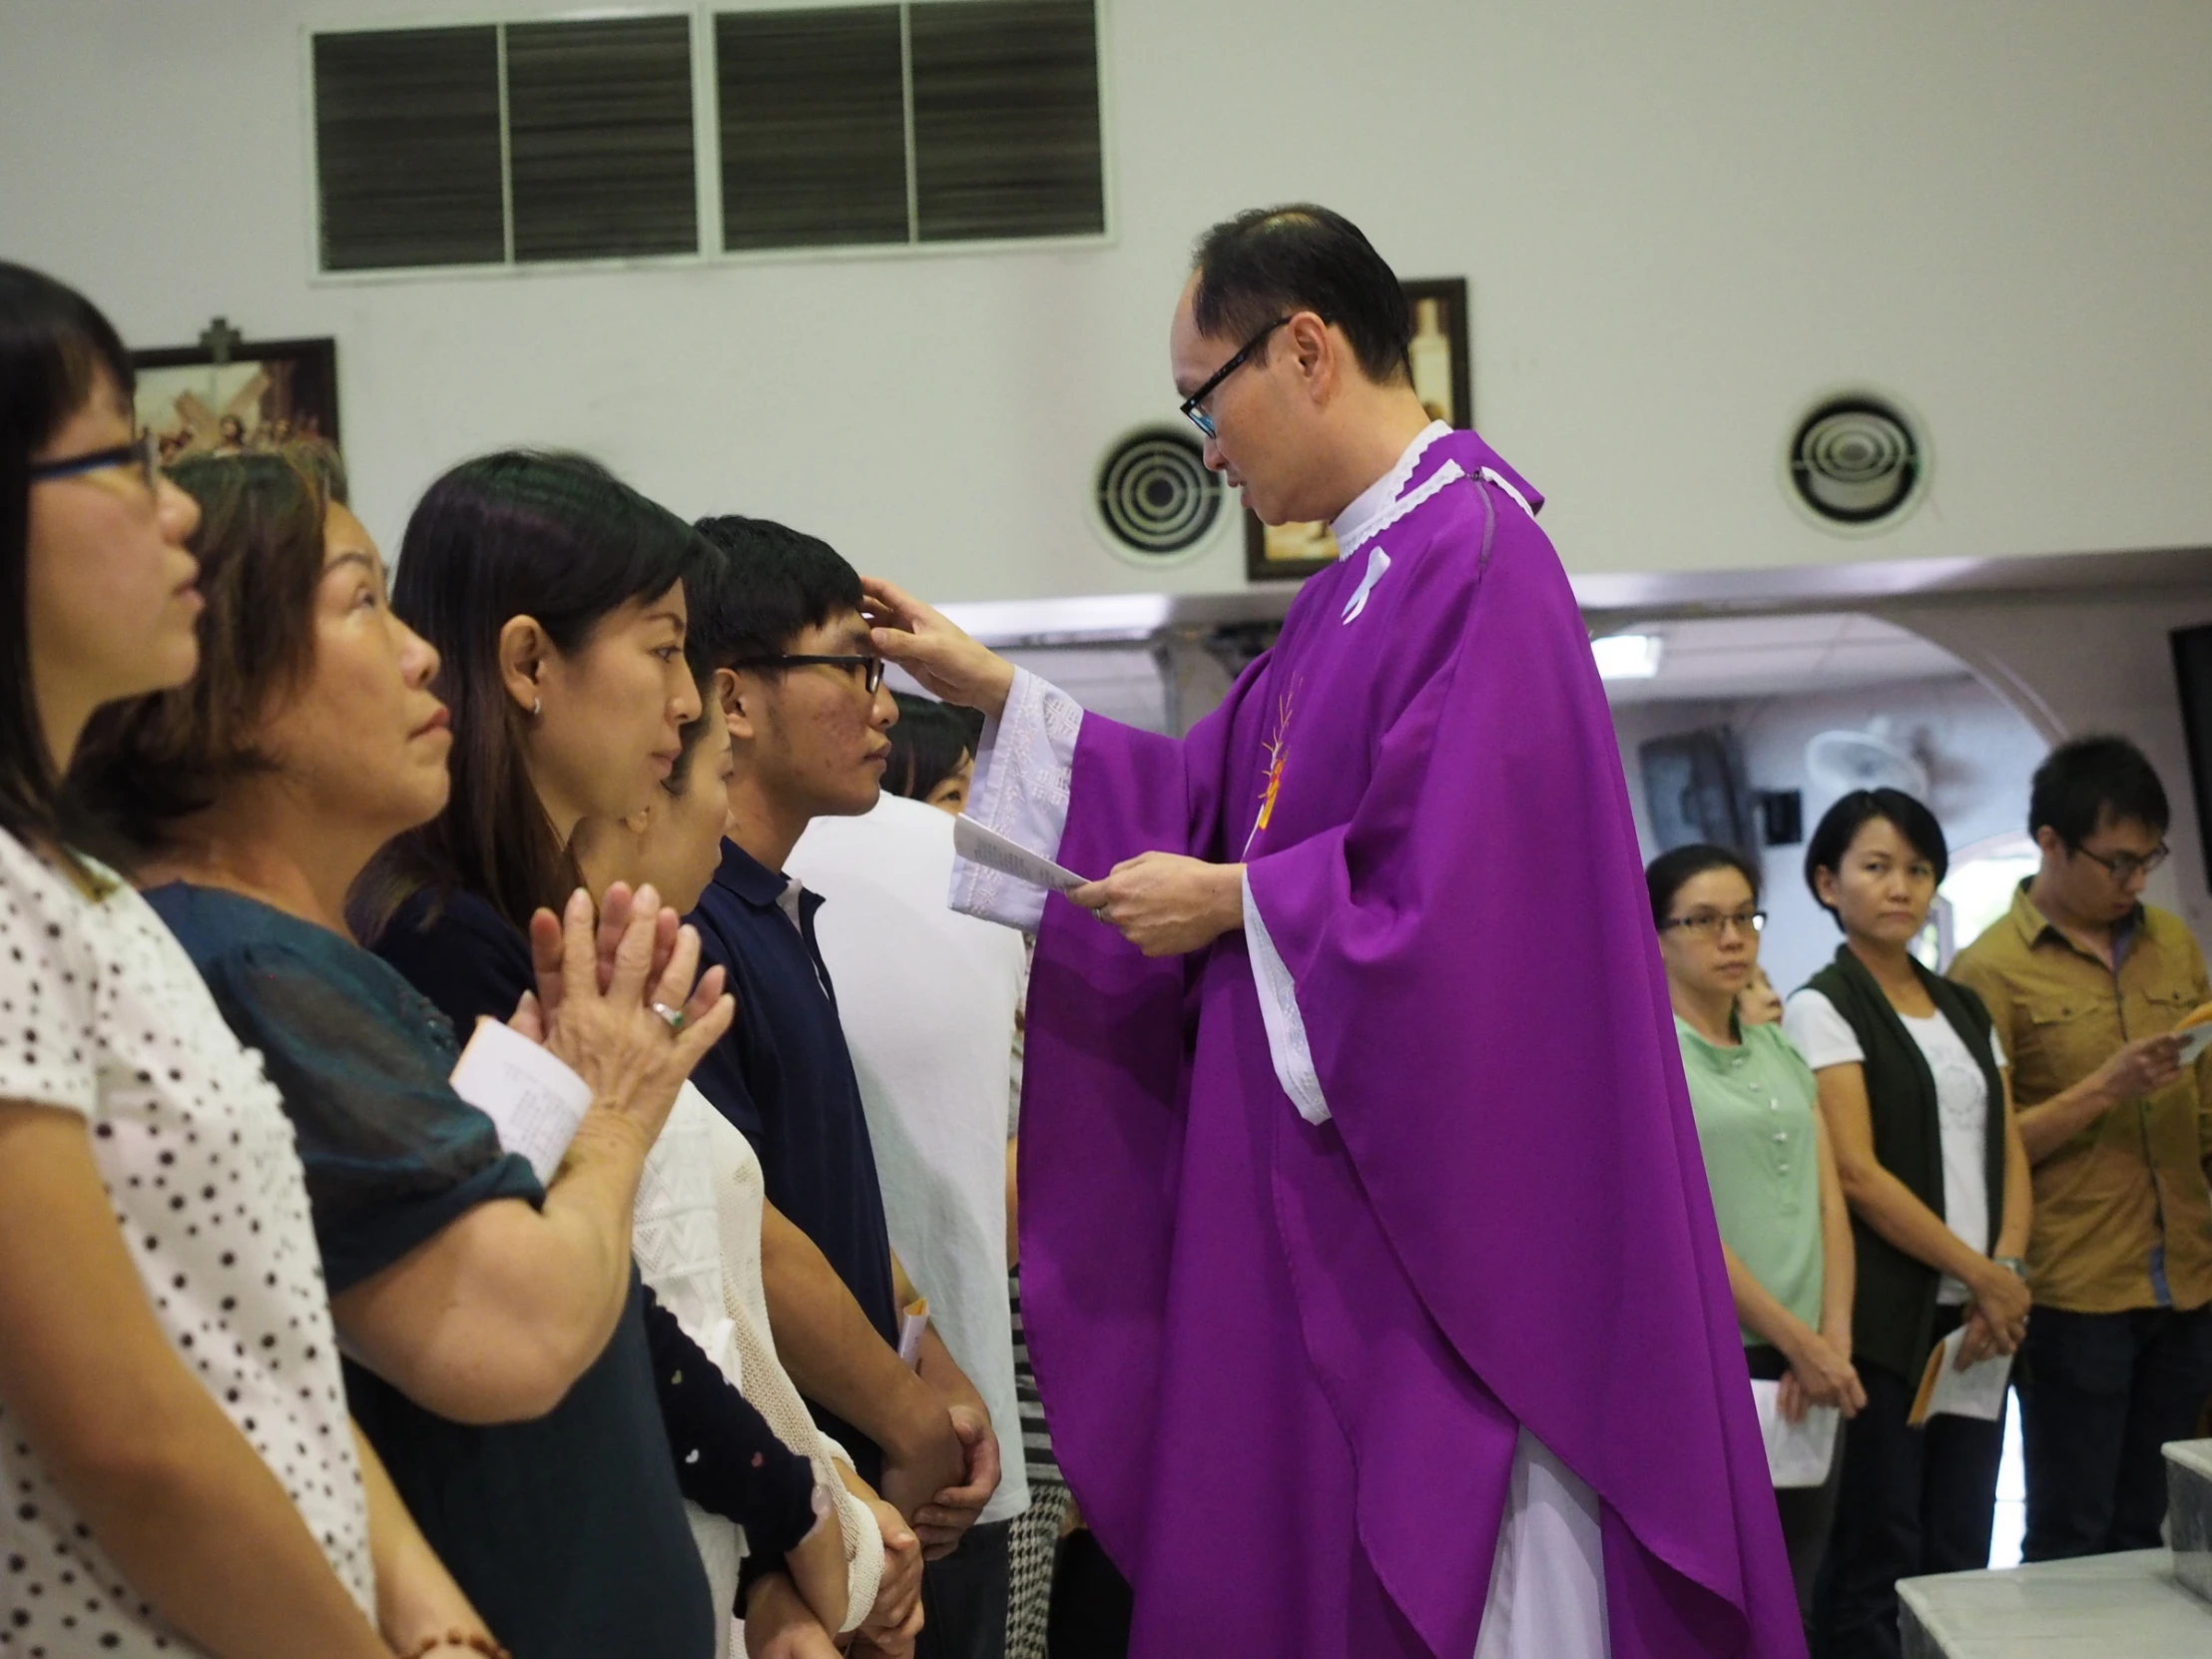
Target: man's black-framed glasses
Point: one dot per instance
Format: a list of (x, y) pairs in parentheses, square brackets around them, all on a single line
[(143, 452), (870, 669), (2123, 868), (1199, 417)]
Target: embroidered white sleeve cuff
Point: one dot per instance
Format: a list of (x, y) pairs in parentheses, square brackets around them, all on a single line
[(1286, 1027), (1022, 770)]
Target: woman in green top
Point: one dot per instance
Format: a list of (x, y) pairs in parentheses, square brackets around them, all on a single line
[(1784, 1231)]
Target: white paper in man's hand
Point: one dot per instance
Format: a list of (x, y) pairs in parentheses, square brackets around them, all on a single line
[(995, 852), (1797, 1454), (533, 1097)]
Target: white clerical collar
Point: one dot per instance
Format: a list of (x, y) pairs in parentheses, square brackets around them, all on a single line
[(1359, 521)]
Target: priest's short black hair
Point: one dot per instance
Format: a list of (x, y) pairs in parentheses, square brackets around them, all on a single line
[(1272, 261), (2090, 780), (767, 585)]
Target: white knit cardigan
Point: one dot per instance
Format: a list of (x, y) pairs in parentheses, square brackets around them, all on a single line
[(697, 1237)]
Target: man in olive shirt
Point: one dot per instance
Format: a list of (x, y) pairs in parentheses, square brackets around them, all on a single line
[(2087, 983)]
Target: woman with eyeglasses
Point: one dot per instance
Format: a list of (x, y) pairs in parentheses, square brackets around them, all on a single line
[(1913, 1092), (1785, 1233), (180, 1469)]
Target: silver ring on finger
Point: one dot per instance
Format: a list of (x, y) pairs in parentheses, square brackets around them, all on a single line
[(673, 1016)]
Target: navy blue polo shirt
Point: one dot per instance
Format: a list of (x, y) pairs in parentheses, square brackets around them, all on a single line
[(783, 1076)]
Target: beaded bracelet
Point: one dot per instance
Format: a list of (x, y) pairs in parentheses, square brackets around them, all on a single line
[(473, 1641)]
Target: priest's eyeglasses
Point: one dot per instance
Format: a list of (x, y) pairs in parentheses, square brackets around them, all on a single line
[(1199, 417), (869, 669), (2123, 868), (143, 454), (1707, 925)]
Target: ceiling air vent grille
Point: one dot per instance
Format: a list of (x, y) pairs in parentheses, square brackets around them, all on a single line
[(1856, 462), (1155, 498)]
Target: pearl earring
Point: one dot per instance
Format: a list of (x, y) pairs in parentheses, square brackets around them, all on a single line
[(537, 707)]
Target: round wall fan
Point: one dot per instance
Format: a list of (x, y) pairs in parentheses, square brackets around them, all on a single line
[(1836, 763)]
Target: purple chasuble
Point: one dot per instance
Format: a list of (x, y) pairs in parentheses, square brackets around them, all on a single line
[(1287, 1363)]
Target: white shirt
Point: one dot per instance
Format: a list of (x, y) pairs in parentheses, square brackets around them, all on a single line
[(926, 998), (1825, 1039), (101, 1014), (697, 1237)]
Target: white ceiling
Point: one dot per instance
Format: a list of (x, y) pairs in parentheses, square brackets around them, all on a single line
[(1724, 658)]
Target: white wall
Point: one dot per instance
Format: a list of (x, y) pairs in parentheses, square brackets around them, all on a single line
[(1679, 222)]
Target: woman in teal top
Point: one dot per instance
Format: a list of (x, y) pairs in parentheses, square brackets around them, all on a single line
[(1785, 1230)]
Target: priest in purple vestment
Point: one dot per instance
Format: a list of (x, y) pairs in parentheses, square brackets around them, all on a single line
[(1369, 1268)]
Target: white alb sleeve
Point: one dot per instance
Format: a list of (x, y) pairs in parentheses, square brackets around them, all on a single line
[(1286, 1027), (1024, 766), (1819, 1032)]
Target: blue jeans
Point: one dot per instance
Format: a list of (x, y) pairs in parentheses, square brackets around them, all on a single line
[(2099, 1394)]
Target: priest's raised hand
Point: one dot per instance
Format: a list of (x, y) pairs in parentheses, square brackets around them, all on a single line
[(934, 650)]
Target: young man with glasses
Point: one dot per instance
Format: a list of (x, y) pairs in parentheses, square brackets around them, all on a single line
[(2086, 983), (1379, 1312), (776, 633)]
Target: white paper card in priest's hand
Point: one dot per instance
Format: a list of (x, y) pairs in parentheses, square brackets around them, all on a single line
[(1797, 1454), (534, 1098), (2194, 1042), (995, 852), (1976, 1391)]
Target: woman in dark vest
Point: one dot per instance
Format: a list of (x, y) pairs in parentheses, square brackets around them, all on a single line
[(1913, 1092)]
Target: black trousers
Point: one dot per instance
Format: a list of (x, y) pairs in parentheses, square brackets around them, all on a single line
[(2099, 1394), (965, 1598), (1092, 1606), (1912, 1501)]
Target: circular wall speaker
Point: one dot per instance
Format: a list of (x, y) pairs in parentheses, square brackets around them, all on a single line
[(1155, 500), (1857, 462)]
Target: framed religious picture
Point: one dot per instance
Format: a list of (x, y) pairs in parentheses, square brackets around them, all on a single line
[(1446, 384), (229, 393)]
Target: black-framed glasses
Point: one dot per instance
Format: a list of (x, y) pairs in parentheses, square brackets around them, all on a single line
[(870, 669), (1710, 926), (1199, 417), (2123, 868), (143, 452)]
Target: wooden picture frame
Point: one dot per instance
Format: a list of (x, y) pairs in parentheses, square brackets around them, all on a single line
[(1443, 377), (228, 395)]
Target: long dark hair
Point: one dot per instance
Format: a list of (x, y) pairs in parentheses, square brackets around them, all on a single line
[(54, 349), (519, 533), (150, 761)]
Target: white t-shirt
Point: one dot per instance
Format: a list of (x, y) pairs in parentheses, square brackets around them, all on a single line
[(1826, 1038), (103, 1014), (926, 998)]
